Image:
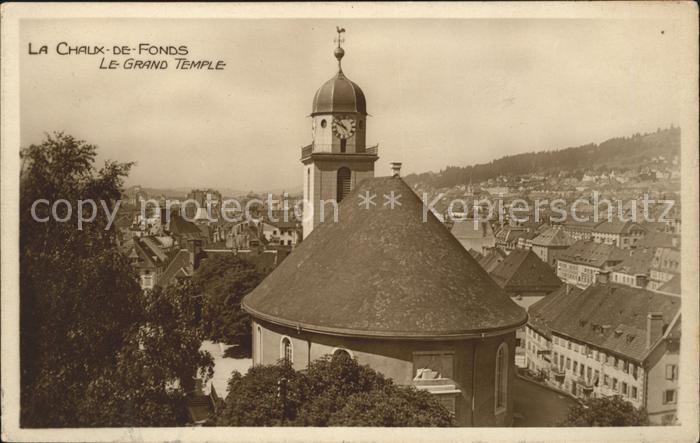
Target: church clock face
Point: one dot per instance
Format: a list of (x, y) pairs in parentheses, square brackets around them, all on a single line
[(343, 126)]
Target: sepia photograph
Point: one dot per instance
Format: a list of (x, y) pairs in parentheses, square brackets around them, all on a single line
[(350, 222)]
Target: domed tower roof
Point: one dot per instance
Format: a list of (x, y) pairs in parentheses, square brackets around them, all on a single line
[(339, 94), (383, 272)]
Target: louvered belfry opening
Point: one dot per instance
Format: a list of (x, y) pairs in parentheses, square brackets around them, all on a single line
[(343, 184)]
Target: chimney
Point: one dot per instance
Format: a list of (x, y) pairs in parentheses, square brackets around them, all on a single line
[(194, 247), (603, 277), (396, 169), (642, 281), (655, 325)]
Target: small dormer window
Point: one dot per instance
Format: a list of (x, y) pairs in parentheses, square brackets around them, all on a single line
[(323, 123)]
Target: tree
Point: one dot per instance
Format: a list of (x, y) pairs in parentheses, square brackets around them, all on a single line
[(155, 369), (224, 280), (333, 391), (605, 411), (83, 317)]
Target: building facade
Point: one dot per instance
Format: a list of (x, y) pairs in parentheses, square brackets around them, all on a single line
[(609, 340)]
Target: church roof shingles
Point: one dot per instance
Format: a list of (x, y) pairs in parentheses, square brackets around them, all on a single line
[(383, 272)]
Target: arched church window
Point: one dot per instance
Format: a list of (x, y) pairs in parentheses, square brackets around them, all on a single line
[(286, 351), (343, 184), (323, 123), (501, 379), (258, 350), (340, 353)]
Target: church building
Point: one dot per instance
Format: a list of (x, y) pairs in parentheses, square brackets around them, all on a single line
[(387, 284)]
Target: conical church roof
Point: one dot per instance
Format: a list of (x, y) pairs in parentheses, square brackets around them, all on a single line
[(383, 272)]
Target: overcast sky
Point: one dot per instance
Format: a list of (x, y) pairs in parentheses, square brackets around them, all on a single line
[(440, 92)]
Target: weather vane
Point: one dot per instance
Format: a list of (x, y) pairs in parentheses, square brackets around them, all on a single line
[(339, 51), (340, 38)]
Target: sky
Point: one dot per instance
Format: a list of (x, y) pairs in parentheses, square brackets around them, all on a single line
[(440, 92)]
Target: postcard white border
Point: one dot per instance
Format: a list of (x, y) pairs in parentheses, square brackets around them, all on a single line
[(685, 12)]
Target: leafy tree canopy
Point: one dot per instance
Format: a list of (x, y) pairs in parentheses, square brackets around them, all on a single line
[(224, 279), (605, 411), (333, 391), (94, 349)]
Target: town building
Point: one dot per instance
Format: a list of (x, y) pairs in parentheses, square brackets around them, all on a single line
[(527, 279), (492, 259), (476, 235), (609, 339), (665, 265), (580, 263), (279, 232), (550, 243), (148, 255), (508, 236), (449, 331), (634, 270), (580, 230), (202, 204), (623, 234)]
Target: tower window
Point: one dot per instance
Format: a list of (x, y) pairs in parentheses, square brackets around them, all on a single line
[(343, 145), (501, 379), (323, 123), (343, 184), (360, 124)]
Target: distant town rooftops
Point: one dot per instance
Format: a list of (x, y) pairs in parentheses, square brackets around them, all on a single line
[(555, 236), (588, 252), (617, 227)]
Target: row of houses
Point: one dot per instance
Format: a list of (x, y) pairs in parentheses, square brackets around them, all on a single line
[(177, 249), (603, 305), (609, 339)]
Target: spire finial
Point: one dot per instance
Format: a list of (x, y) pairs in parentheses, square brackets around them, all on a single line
[(339, 51)]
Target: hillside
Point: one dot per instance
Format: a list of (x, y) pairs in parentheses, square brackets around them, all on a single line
[(619, 153)]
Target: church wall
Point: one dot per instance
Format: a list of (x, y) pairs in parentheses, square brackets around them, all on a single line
[(395, 359)]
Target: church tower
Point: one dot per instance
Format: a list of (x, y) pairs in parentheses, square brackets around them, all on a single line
[(337, 158)]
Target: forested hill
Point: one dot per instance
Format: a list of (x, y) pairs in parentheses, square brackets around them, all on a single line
[(618, 153)]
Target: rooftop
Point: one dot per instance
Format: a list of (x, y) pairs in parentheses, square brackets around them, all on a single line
[(609, 316), (553, 237), (637, 263), (523, 270), (617, 227), (405, 278), (467, 229), (588, 252)]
